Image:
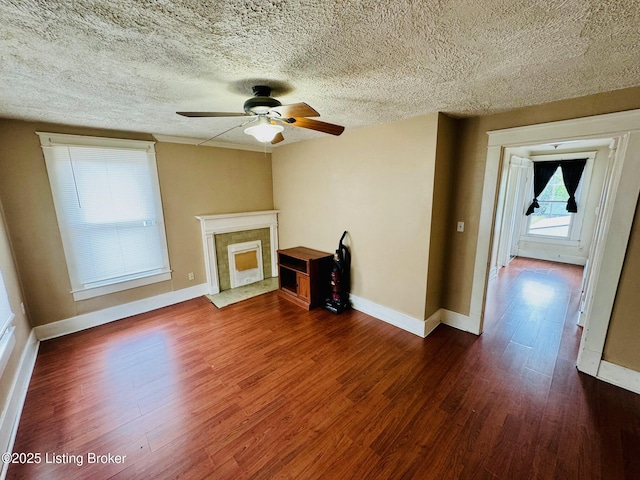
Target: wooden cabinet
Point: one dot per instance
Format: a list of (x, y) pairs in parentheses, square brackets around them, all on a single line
[(304, 290), (304, 275)]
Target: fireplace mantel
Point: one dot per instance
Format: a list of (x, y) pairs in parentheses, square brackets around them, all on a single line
[(212, 225)]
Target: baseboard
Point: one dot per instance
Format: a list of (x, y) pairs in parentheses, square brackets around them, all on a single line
[(432, 322), (493, 272), (118, 312), (401, 320), (17, 394), (466, 323), (620, 376), (589, 361), (552, 256), (422, 328)]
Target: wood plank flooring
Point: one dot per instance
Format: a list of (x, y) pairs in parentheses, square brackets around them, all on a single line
[(265, 389)]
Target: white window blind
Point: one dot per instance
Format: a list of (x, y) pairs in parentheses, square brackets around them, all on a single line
[(6, 315), (7, 337), (109, 212)]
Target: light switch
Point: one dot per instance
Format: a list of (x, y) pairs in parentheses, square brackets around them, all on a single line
[(461, 226)]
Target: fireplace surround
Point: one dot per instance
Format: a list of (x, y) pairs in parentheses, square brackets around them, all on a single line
[(211, 225)]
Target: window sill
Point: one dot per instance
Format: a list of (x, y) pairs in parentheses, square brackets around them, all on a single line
[(92, 292), (7, 343), (549, 239)]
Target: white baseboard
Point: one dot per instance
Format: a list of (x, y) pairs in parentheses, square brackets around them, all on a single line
[(493, 272), (620, 376), (422, 328), (432, 322), (466, 323), (588, 361), (100, 317), (17, 395), (401, 320), (552, 256)]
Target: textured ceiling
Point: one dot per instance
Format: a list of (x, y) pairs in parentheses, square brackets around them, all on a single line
[(130, 65)]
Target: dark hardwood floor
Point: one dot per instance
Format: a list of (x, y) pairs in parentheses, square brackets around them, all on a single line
[(265, 389)]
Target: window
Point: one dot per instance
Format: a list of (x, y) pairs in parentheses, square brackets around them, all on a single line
[(107, 202), (551, 222), (6, 315), (552, 218), (7, 337)]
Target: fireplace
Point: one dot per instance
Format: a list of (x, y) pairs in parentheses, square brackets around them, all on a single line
[(245, 263), (219, 232)]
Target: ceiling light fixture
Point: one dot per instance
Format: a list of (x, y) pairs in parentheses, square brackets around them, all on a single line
[(264, 131)]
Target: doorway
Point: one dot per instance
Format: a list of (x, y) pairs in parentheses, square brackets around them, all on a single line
[(531, 309), (617, 216), (549, 232), (561, 242)]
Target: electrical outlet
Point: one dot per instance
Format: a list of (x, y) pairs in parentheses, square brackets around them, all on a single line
[(191, 276), (460, 227)]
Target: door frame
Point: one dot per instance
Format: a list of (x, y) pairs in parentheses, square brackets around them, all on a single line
[(510, 207), (625, 127)]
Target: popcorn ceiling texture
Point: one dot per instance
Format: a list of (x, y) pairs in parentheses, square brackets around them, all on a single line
[(130, 65)]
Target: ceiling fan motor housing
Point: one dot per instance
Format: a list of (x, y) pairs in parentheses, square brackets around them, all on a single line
[(261, 103)]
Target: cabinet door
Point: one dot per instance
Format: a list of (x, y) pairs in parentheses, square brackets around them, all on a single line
[(304, 292)]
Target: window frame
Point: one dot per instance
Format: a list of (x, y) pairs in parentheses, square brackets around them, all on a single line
[(577, 219), (570, 228), (80, 291), (5, 307)]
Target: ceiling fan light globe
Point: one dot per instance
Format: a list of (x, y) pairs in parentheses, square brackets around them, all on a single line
[(264, 132)]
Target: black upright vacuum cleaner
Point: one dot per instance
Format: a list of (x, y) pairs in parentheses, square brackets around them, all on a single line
[(338, 301)]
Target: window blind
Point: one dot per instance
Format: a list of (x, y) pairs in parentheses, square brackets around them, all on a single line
[(7, 337), (109, 213), (6, 315)]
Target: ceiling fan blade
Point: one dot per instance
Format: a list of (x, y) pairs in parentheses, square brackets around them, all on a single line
[(277, 139), (295, 110), (315, 125), (211, 114)]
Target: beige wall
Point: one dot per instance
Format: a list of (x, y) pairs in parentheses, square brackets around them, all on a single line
[(472, 155), (376, 183), (621, 346), (193, 181), (470, 173), (201, 181), (442, 224), (20, 321)]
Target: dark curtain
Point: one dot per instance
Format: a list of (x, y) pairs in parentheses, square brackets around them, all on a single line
[(542, 173), (571, 174)]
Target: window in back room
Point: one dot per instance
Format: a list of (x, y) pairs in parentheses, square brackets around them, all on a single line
[(552, 218)]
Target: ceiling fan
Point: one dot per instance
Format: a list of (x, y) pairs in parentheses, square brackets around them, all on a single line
[(268, 116)]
